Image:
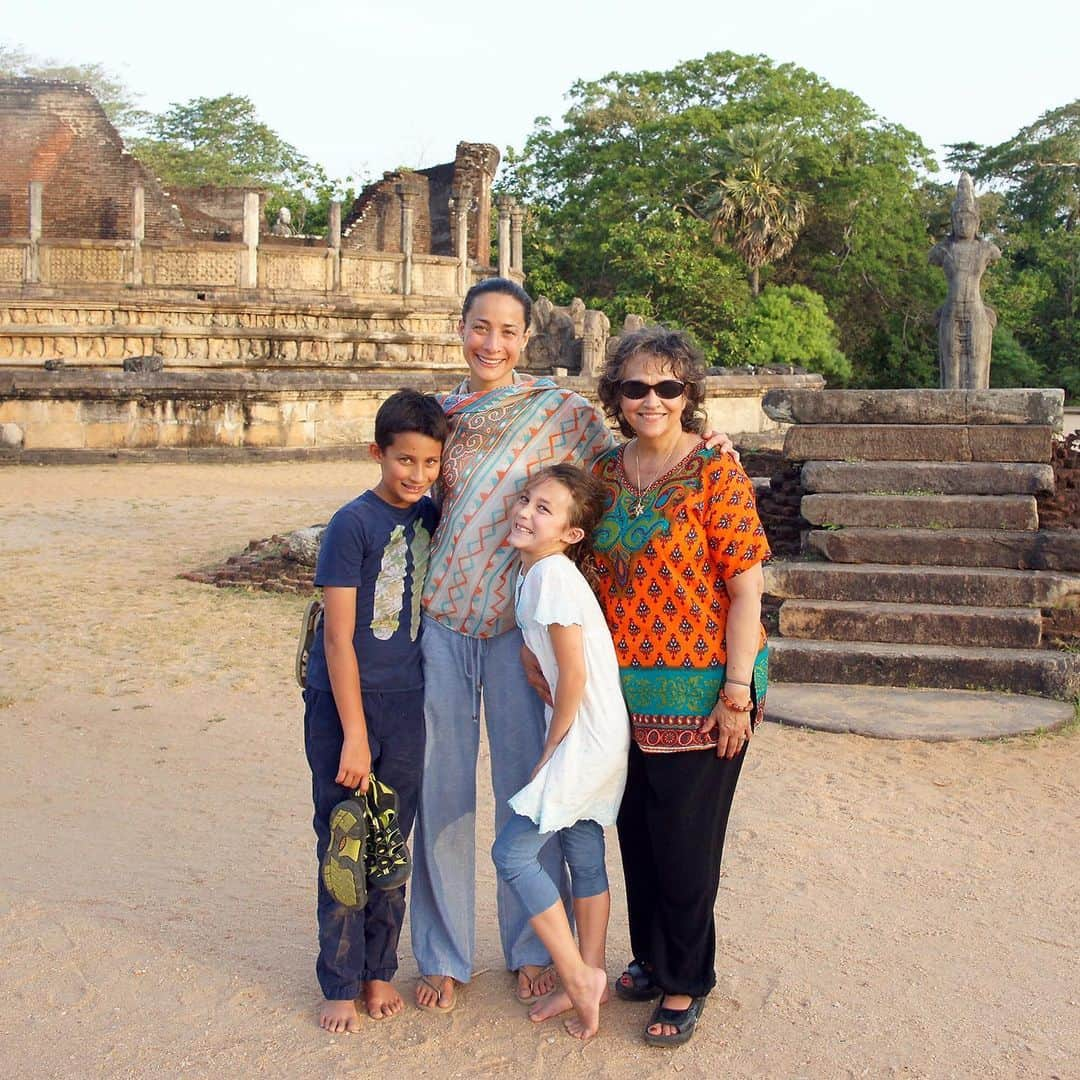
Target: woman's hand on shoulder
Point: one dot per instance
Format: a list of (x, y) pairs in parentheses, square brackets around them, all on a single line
[(718, 440)]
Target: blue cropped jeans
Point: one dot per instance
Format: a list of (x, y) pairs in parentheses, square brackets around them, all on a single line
[(515, 854)]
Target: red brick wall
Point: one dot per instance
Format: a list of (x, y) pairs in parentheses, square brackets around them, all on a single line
[(57, 133), (373, 222)]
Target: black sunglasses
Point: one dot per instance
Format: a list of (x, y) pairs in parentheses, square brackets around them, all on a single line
[(636, 390)]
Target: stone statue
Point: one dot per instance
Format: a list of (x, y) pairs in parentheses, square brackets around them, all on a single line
[(551, 343), (596, 329), (965, 324), (283, 225)]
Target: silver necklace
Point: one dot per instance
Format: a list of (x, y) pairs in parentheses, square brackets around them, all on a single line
[(639, 505)]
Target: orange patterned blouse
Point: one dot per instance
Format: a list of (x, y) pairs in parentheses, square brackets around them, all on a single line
[(662, 559)]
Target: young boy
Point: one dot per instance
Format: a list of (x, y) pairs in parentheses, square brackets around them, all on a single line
[(372, 564)]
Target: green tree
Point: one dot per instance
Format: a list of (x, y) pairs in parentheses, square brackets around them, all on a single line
[(752, 204), (791, 325), (632, 147), (221, 141)]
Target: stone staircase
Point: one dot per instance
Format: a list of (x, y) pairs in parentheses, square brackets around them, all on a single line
[(931, 568)]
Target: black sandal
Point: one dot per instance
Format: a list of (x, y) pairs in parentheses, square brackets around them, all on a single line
[(682, 1020), (641, 976)]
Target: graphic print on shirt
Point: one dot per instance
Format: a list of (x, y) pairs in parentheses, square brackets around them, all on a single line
[(421, 552), (388, 601)]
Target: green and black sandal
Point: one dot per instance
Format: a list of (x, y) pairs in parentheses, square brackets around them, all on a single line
[(388, 862), (308, 625), (343, 867)]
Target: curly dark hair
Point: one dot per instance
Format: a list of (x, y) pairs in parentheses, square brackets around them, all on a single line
[(676, 352)]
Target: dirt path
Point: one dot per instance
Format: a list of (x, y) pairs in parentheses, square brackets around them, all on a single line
[(887, 909)]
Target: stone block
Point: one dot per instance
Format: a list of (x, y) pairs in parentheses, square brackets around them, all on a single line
[(986, 586), (107, 436), (1019, 671), (265, 413), (1011, 443), (1043, 550), (143, 435), (918, 624), (344, 432), (917, 442), (11, 436), (392, 354), (54, 436), (946, 478), (261, 435), (1015, 512), (886, 712), (1039, 407)]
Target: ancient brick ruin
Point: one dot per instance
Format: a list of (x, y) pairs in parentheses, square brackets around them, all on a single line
[(139, 319)]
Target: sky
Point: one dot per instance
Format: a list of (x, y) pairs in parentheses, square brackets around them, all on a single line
[(371, 85)]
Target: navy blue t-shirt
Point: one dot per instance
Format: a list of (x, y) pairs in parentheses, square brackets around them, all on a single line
[(382, 552)]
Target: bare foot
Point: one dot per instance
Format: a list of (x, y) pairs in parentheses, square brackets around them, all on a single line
[(558, 1003), (586, 993), (381, 999), (436, 993), (339, 1016), (671, 1001), (534, 982)]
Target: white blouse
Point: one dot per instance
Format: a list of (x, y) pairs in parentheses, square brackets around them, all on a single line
[(585, 776)]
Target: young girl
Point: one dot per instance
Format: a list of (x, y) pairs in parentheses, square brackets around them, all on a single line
[(577, 784)]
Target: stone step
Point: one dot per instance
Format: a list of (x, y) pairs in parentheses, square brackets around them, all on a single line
[(918, 442), (1019, 671), (794, 406), (889, 583), (919, 624), (934, 477), (890, 712), (1016, 512), (1042, 550)]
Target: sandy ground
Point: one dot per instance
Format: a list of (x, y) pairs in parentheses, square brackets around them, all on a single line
[(887, 909)]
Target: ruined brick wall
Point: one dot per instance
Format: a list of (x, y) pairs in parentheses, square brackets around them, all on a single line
[(1060, 509), (440, 180), (475, 163), (215, 213), (57, 133), (373, 222)]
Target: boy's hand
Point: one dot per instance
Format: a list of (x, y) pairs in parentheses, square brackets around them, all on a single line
[(535, 676), (354, 765)]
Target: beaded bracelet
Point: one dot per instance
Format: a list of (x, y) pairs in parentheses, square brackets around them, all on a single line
[(734, 706)]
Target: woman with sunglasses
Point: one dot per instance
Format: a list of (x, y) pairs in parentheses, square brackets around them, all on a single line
[(679, 553)]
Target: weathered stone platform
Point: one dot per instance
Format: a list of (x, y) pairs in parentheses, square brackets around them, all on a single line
[(937, 573), (881, 712)]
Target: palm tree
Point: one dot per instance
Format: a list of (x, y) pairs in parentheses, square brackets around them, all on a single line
[(752, 205)]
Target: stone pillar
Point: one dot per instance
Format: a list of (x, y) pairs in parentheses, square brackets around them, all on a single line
[(32, 269), (460, 201), (516, 259), (333, 242), (505, 203), (249, 268), (408, 214), (138, 233)]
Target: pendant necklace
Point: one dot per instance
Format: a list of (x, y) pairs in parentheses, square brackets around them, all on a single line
[(639, 505)]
